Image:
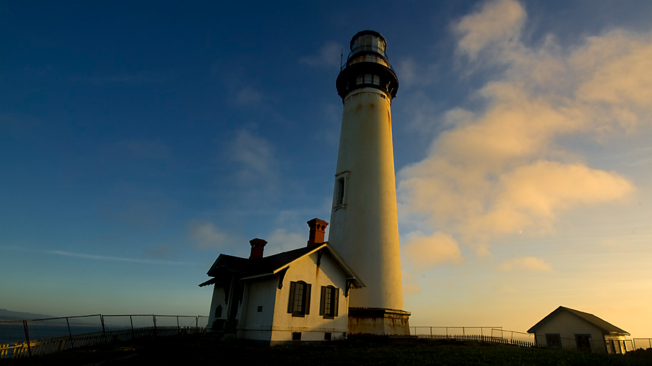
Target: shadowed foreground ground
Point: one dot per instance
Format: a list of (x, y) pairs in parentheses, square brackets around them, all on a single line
[(352, 352)]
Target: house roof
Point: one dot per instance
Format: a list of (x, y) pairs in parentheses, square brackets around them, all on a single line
[(605, 327), (249, 269)]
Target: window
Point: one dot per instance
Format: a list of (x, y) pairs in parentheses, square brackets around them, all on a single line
[(553, 340), (327, 336), (299, 302), (329, 301), (218, 311), (340, 192), (583, 342), (340, 196), (296, 336)]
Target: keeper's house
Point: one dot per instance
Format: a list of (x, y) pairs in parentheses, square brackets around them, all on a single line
[(573, 329), (299, 295)]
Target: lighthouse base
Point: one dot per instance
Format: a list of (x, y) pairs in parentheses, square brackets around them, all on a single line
[(377, 321)]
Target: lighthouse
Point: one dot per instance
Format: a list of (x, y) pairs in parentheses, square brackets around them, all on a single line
[(364, 222)]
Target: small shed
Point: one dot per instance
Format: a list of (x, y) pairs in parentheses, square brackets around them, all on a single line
[(573, 329)]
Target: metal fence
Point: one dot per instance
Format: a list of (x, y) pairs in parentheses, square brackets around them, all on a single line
[(481, 334), (503, 336), (22, 338), (643, 343)]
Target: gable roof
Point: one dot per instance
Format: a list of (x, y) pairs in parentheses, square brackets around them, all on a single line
[(605, 327), (250, 269)]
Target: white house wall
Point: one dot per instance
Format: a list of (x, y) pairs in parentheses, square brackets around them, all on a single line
[(567, 326), (218, 299), (312, 326), (253, 324)]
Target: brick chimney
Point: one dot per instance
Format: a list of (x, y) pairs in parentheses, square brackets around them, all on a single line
[(317, 231), (257, 247)]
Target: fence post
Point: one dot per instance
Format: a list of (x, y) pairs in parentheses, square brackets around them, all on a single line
[(103, 328), (29, 347), (154, 318), (430, 332), (463, 331), (131, 320), (446, 332), (72, 343), (197, 322), (178, 327)]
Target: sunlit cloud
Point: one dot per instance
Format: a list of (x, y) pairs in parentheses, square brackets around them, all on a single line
[(281, 240), (410, 285), (327, 58), (500, 169), (525, 263), (496, 23), (424, 252)]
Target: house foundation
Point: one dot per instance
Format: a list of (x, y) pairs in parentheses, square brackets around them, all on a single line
[(376, 321)]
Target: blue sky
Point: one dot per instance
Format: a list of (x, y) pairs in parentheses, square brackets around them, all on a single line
[(140, 141)]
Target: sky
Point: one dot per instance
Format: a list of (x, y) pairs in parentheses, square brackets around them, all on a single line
[(138, 141)]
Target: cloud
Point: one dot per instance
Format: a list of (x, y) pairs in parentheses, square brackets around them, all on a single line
[(413, 73), (410, 285), (256, 158), (496, 24), (525, 263), (425, 252), (138, 149), (248, 96), (206, 235), (281, 240), (500, 168), (329, 57), (100, 257)]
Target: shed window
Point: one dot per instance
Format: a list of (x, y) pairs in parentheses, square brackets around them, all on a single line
[(553, 340)]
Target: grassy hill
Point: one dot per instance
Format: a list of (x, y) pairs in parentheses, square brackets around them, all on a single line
[(412, 352)]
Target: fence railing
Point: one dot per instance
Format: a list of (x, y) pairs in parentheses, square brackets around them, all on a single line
[(21, 338), (482, 334), (644, 343)]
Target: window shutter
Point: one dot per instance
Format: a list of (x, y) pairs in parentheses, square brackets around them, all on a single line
[(293, 285), (336, 299), (307, 297), (322, 302)]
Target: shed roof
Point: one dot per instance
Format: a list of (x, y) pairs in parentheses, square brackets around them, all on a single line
[(605, 327), (249, 269)]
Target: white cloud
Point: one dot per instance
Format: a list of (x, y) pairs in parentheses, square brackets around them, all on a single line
[(525, 263), (425, 252), (256, 157), (328, 58), (248, 96), (206, 235), (281, 240), (500, 169)]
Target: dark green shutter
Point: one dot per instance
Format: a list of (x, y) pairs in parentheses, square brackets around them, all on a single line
[(336, 297), (293, 285), (322, 302), (307, 297)]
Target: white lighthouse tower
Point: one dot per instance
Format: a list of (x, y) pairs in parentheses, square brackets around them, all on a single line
[(364, 223)]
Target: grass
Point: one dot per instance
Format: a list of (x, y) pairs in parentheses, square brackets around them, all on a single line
[(352, 352)]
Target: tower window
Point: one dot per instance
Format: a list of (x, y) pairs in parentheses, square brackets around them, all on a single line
[(340, 195), (340, 192)]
